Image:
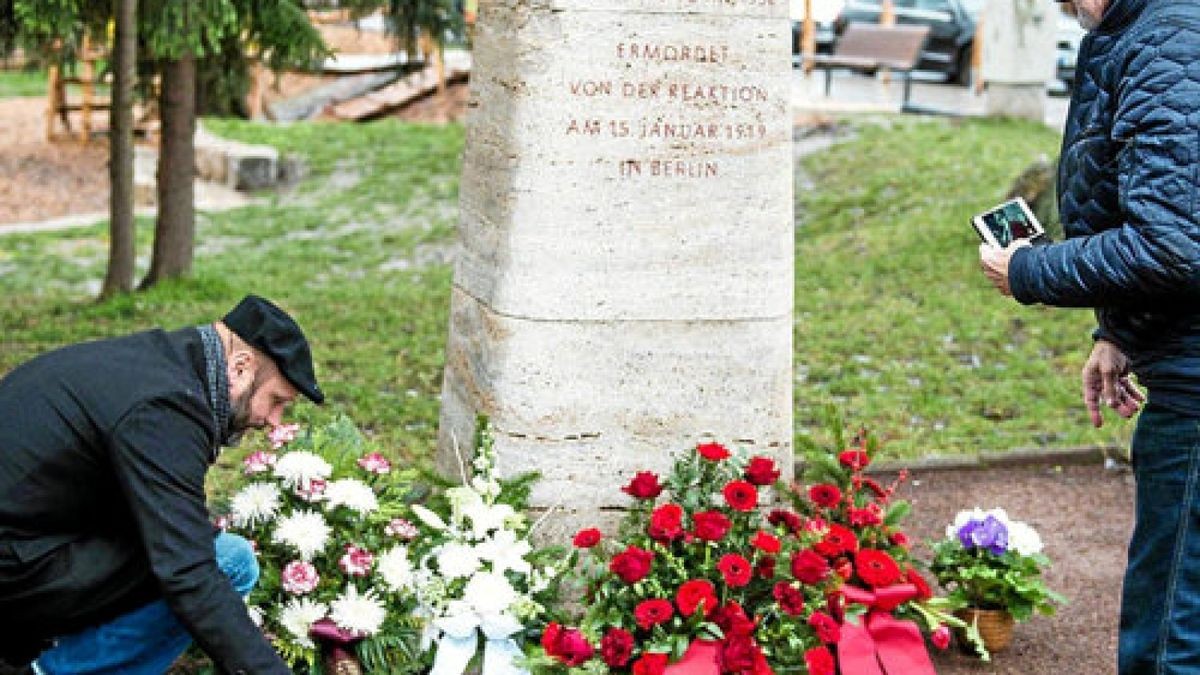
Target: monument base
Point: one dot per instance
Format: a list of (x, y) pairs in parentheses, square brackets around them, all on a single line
[(1027, 101)]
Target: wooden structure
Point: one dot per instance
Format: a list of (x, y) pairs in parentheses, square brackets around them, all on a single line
[(869, 48), (58, 104)]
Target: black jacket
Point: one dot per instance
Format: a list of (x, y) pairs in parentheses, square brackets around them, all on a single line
[(103, 451), (1129, 186)]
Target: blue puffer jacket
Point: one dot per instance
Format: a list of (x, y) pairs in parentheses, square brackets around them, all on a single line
[(1129, 192)]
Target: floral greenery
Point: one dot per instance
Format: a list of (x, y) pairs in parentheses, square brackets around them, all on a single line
[(989, 561), (325, 517), (700, 565)]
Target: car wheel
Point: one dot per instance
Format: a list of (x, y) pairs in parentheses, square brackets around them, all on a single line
[(962, 66)]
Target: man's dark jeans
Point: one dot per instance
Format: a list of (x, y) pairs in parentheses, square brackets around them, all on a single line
[(1160, 603)]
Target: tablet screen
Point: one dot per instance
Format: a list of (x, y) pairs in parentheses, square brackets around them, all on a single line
[(1010, 222)]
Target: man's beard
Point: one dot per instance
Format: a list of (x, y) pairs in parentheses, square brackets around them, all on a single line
[(239, 416)]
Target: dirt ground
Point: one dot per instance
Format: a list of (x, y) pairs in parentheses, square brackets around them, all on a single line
[(1084, 515)]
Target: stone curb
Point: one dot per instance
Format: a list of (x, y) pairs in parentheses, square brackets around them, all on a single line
[(1017, 458)]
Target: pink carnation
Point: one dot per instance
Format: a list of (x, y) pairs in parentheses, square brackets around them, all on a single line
[(401, 529), (282, 435), (375, 463), (259, 461), (314, 491), (299, 577), (356, 561)]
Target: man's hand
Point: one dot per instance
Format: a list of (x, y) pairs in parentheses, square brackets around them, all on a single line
[(1106, 378), (994, 262)]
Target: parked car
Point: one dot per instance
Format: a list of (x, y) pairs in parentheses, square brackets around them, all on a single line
[(825, 13), (951, 30)]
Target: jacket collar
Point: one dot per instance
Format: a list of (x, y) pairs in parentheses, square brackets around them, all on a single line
[(1120, 13)]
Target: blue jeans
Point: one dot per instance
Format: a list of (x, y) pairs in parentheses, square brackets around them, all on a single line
[(1160, 601), (147, 640)]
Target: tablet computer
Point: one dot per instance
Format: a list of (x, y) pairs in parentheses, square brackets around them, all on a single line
[(1008, 222)]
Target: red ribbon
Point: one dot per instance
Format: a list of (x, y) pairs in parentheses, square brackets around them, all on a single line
[(338, 641), (881, 644)]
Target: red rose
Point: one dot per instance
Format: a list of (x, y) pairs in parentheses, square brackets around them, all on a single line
[(765, 542), (900, 539), (692, 594), (714, 452), (666, 523), (838, 540), (644, 485), (808, 567), (632, 564), (855, 459), (924, 592), (711, 525), (825, 495), (765, 567), (737, 570), (941, 636), (587, 538), (650, 613), (739, 655), (550, 638), (762, 471), (790, 598), (732, 620), (740, 495), (651, 663), (786, 518), (616, 647), (819, 661), (826, 628), (866, 516), (876, 568), (574, 648)]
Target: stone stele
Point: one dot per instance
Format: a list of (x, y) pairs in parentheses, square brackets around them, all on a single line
[(625, 284)]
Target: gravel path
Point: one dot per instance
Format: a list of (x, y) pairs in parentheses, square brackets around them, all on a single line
[(1084, 515)]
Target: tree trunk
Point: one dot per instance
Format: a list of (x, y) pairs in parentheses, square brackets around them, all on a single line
[(175, 231), (121, 253)]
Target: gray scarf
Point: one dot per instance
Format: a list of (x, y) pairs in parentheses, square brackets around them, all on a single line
[(218, 386)]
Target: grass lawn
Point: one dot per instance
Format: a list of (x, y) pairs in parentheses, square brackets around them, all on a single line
[(895, 325), (14, 83)]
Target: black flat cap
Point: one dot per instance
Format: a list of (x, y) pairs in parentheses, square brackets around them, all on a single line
[(269, 329)]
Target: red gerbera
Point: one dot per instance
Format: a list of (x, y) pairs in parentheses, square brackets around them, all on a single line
[(819, 661), (808, 567), (651, 663), (765, 542), (587, 538), (785, 518), (740, 495), (644, 485), (825, 495), (762, 471), (696, 594), (826, 628), (839, 539), (632, 564), (876, 568), (790, 598), (711, 525), (666, 523), (737, 570), (855, 458), (616, 647), (650, 613), (713, 452)]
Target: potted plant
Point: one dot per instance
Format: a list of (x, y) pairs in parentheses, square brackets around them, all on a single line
[(992, 565)]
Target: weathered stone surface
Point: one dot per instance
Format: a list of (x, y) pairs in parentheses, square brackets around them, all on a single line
[(625, 285), (240, 166)]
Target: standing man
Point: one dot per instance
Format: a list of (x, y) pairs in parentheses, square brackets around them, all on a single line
[(108, 561), (1129, 186)]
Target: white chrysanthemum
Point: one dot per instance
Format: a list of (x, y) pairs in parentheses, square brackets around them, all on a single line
[(361, 614), (298, 616), (353, 494), (305, 531), (300, 468), (395, 569), (1023, 539), (489, 593), (256, 503), (487, 517), (457, 560), (505, 551), (255, 614)]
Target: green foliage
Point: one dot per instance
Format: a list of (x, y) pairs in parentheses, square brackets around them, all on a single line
[(980, 579), (14, 83)]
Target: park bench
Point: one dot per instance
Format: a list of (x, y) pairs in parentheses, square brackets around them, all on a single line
[(868, 47)]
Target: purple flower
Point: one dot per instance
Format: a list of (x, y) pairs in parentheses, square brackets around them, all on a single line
[(989, 533)]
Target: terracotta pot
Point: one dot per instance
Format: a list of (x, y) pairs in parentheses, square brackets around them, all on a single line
[(995, 627), (702, 658)]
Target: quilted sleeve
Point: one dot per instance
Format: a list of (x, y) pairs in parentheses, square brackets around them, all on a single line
[(1155, 254)]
